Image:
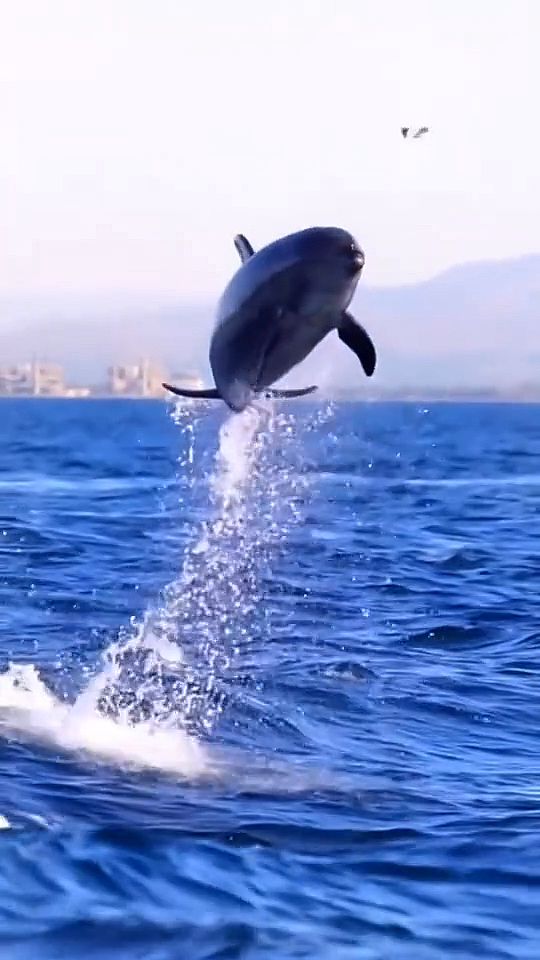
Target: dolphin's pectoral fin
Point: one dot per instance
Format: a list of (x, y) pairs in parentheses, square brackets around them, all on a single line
[(359, 341), (285, 394), (243, 247), (210, 394)]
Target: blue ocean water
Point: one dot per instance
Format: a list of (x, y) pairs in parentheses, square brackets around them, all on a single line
[(270, 683)]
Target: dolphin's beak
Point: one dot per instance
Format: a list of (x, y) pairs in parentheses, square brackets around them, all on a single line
[(358, 261)]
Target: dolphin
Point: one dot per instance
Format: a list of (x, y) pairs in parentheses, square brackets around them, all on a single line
[(281, 302)]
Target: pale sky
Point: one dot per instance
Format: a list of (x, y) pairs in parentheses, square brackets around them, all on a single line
[(137, 136)]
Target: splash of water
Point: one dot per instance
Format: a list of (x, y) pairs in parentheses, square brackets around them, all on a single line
[(174, 665), (30, 708), (163, 682), (215, 603)]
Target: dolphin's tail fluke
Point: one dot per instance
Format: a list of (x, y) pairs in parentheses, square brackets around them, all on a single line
[(210, 394), (288, 394)]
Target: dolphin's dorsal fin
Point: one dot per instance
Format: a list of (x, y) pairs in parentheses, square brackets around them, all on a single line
[(359, 341), (243, 247)]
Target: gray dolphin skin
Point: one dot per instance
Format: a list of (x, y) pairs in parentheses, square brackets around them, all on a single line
[(282, 301)]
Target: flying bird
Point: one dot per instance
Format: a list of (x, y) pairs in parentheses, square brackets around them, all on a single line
[(418, 133)]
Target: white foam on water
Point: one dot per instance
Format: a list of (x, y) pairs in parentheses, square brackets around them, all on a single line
[(159, 687), (29, 707)]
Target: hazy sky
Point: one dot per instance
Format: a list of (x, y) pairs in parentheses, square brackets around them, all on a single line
[(137, 136)]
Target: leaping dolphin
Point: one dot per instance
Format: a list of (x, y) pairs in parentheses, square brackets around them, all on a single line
[(281, 302)]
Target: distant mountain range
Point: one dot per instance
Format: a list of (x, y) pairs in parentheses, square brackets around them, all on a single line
[(474, 323)]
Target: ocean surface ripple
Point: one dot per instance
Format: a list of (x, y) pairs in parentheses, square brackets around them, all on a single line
[(269, 684)]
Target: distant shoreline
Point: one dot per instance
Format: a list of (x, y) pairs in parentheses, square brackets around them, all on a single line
[(458, 398)]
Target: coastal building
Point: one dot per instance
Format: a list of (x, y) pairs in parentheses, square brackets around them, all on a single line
[(77, 392), (141, 379), (144, 379), (33, 378)]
